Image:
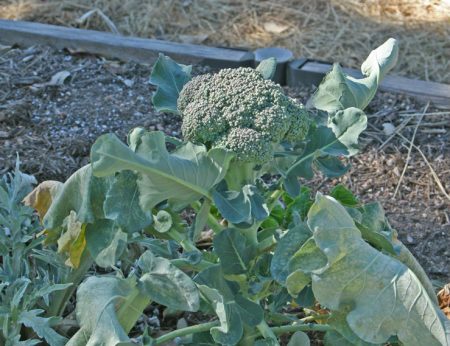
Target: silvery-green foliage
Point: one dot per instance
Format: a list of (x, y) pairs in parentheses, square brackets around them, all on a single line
[(25, 284)]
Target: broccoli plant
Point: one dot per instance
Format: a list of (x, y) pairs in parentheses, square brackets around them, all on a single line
[(239, 110), (280, 261)]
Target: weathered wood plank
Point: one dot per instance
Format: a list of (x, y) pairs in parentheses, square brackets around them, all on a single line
[(437, 93), (117, 46)]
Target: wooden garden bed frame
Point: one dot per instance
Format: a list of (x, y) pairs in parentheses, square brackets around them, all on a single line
[(298, 72)]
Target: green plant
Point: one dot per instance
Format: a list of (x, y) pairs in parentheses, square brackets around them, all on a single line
[(274, 247)]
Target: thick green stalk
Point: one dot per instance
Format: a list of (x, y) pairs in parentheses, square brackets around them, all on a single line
[(212, 221), (292, 328), (61, 298), (129, 313), (185, 266), (186, 331), (250, 334)]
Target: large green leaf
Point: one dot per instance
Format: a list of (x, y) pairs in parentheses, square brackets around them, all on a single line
[(166, 284), (180, 177), (169, 78), (347, 125), (339, 91), (343, 334), (42, 326), (234, 250), (82, 193), (102, 305), (122, 204), (232, 308), (376, 230), (105, 242), (322, 151), (243, 207), (383, 296), (231, 328), (286, 248)]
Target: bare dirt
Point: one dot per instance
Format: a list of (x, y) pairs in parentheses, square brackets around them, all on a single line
[(51, 125)]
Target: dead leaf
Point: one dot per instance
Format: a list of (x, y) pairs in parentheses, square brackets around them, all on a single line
[(59, 78), (275, 28), (444, 300), (56, 80), (42, 196)]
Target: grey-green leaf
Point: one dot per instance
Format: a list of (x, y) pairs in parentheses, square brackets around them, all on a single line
[(107, 308), (169, 78), (180, 177), (299, 339), (347, 125), (286, 248), (339, 91), (234, 250), (166, 284), (384, 297), (82, 193), (296, 282), (122, 203), (105, 242), (231, 327), (42, 326), (308, 258), (267, 68), (241, 207)]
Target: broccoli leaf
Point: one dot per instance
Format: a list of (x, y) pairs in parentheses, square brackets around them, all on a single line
[(267, 68), (180, 177), (241, 208), (105, 242), (169, 78), (384, 297), (299, 339), (122, 203), (286, 248), (232, 308), (166, 284), (103, 303), (339, 91), (108, 307), (82, 193), (234, 250)]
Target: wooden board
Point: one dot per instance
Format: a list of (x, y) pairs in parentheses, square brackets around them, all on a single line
[(437, 93), (117, 46)]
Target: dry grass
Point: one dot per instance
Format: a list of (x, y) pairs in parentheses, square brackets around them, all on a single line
[(335, 30)]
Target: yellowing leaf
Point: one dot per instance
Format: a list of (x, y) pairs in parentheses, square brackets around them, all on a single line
[(42, 196), (73, 240)]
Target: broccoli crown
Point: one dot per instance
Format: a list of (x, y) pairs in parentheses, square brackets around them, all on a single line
[(240, 110)]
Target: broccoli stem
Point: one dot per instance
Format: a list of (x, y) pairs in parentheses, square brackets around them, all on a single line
[(240, 174)]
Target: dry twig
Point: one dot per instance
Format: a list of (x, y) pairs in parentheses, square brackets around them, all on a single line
[(409, 150)]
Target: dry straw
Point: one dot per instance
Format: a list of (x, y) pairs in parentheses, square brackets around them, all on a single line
[(342, 31)]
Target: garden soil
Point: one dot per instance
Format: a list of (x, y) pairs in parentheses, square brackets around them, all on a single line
[(53, 105)]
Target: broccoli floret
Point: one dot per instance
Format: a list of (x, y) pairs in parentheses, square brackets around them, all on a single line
[(248, 144), (240, 110)]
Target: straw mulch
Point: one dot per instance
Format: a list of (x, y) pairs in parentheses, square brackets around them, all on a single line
[(343, 31)]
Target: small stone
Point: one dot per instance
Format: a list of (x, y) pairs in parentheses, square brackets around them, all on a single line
[(388, 129)]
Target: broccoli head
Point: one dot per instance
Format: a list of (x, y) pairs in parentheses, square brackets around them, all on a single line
[(240, 110)]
